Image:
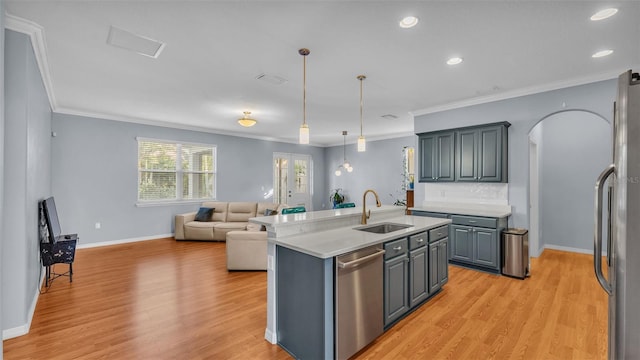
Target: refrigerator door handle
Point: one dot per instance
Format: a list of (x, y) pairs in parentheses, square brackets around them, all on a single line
[(597, 238)]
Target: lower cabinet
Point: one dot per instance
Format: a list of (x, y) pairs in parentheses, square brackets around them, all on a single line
[(475, 245), (414, 269), (418, 276), (438, 264), (396, 293)]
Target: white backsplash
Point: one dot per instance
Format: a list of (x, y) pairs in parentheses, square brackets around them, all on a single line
[(476, 193)]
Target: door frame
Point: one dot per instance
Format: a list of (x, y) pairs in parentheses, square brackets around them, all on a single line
[(290, 178), (534, 199)]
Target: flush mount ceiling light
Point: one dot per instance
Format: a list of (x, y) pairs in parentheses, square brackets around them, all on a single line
[(602, 53), (603, 14), (408, 22), (345, 164), (246, 121), (454, 61), (362, 143), (304, 128)]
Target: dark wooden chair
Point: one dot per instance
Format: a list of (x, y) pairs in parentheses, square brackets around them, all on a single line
[(55, 248)]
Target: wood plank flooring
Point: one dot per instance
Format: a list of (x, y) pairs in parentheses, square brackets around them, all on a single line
[(163, 299)]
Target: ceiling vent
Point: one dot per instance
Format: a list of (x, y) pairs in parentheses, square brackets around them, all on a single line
[(136, 43), (271, 79), (390, 117)]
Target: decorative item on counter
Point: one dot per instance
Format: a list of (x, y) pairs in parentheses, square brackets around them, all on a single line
[(336, 197)]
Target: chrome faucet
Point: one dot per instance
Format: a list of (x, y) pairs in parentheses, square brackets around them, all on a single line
[(365, 214)]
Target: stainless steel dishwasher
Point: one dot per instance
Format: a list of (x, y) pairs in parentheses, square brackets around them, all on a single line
[(359, 300)]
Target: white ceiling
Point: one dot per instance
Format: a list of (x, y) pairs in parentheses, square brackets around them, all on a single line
[(205, 76)]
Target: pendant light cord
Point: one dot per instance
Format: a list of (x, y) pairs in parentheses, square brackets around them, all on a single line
[(304, 90), (361, 103)]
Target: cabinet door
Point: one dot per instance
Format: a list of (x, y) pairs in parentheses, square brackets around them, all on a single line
[(467, 154), (396, 299), (426, 157), (485, 247), (434, 267), (490, 154), (418, 276), (445, 159), (462, 243), (443, 261)]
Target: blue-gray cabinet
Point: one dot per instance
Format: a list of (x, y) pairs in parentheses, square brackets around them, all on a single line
[(438, 258), (396, 280), (470, 154), (476, 241), (481, 154), (436, 156)]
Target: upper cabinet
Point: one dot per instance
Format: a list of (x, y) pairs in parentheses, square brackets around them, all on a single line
[(472, 154), (436, 156)]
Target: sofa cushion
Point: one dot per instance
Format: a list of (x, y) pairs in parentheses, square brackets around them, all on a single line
[(199, 230), (264, 206), (241, 211), (204, 214), (220, 212), (220, 230)]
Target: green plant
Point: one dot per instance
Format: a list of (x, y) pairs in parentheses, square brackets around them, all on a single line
[(336, 197)]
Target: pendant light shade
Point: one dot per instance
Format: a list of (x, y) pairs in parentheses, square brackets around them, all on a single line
[(304, 128), (246, 121), (362, 143), (345, 164)]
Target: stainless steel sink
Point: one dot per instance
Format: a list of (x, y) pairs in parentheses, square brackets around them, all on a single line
[(383, 228)]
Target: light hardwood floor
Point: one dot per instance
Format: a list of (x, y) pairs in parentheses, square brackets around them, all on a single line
[(163, 299)]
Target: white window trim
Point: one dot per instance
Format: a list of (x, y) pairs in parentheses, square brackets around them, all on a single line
[(179, 174)]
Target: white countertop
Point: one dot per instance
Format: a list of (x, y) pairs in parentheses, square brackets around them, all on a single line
[(329, 243), (486, 210), (321, 215)]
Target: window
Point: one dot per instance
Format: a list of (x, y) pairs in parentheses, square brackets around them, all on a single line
[(171, 171)]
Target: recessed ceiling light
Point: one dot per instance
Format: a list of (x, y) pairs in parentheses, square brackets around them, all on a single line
[(454, 61), (603, 14), (408, 22), (602, 53)]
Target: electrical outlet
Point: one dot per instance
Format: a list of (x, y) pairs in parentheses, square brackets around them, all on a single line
[(98, 226), (270, 262), (442, 193)]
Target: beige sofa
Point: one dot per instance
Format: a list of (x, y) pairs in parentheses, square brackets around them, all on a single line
[(227, 216)]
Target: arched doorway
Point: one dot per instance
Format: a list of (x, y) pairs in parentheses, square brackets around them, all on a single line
[(567, 151)]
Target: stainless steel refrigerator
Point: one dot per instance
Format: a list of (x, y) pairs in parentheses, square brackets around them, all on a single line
[(622, 232)]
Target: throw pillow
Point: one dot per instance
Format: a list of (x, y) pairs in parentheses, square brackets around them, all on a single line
[(204, 214), (268, 212)]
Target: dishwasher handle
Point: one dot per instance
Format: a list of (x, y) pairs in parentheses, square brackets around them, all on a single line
[(357, 262)]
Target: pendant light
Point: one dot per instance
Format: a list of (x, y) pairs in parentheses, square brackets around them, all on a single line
[(246, 121), (304, 128), (362, 143), (345, 164)]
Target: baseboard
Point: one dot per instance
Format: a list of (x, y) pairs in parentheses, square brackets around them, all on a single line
[(570, 249), (24, 329), (122, 241), (270, 336)]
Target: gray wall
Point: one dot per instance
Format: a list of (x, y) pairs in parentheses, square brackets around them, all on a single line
[(27, 180), (523, 113), (95, 175), (2, 15), (576, 148), (379, 168)]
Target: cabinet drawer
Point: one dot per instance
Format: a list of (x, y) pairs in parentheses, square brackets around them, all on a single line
[(395, 248), (438, 233), (474, 221), (417, 240)]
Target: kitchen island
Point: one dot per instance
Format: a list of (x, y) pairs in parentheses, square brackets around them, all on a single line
[(302, 253)]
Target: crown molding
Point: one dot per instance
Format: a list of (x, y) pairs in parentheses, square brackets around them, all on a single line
[(613, 74), (141, 121), (36, 33)]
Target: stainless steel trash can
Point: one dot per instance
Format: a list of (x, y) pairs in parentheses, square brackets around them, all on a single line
[(515, 253)]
